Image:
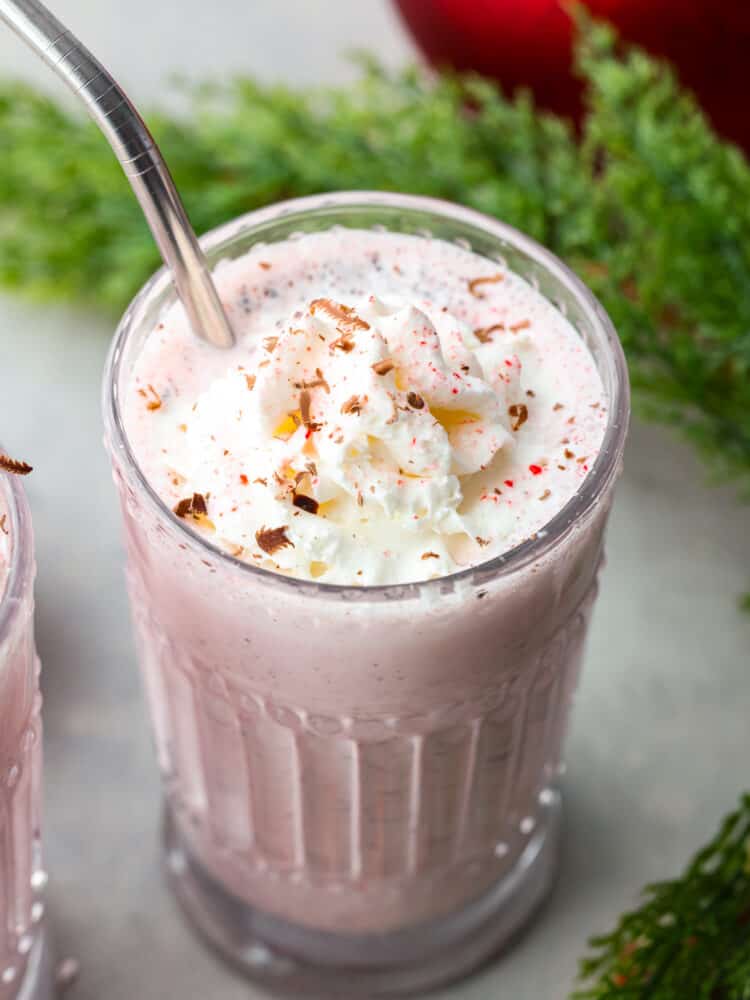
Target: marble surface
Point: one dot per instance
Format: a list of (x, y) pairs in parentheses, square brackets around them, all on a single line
[(658, 745)]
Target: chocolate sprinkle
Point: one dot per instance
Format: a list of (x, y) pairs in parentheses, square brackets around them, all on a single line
[(430, 555), (383, 367), (415, 401)]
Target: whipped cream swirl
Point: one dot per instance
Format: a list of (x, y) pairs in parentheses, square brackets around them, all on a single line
[(340, 450)]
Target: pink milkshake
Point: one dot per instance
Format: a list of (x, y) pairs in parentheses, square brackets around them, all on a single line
[(363, 548), (24, 964)]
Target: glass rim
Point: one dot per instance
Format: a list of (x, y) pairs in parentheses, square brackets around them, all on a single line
[(602, 472), (21, 562)]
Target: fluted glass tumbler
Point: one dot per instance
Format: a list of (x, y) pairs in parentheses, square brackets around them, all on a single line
[(25, 965), (361, 783)]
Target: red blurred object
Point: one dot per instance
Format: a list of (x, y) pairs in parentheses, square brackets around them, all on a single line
[(529, 43)]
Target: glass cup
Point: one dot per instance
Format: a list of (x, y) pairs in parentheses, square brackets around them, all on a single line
[(25, 964), (363, 778)]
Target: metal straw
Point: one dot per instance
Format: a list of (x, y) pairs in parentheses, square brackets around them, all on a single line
[(139, 157)]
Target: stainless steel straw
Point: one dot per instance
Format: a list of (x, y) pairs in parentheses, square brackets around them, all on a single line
[(139, 157)]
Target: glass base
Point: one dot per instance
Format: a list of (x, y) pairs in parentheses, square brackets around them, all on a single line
[(296, 961), (39, 979)]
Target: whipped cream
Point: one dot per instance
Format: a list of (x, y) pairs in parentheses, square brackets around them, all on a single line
[(368, 429)]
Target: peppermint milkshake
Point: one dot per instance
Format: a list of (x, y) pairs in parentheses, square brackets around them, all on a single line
[(24, 965), (363, 547)]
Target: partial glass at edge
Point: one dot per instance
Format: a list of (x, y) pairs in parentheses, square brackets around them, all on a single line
[(363, 777), (25, 966)]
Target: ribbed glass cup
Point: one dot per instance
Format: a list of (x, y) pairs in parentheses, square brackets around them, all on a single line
[(363, 778), (25, 967)]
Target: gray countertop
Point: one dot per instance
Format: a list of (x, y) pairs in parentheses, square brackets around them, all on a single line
[(658, 746)]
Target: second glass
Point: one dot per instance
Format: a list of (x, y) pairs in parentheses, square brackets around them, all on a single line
[(363, 779), (25, 963)]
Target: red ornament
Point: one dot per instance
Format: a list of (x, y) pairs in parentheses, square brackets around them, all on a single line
[(529, 43)]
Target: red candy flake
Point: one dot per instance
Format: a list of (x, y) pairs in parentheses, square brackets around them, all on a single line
[(535, 470), (243, 479), (508, 482)]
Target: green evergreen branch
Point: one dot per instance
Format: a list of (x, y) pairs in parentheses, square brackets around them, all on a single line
[(689, 939), (650, 207)]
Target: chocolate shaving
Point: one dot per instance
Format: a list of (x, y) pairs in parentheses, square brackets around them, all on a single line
[(353, 405), (484, 333), (394, 414), (314, 383), (430, 555), (304, 406), (199, 504), (261, 480), (310, 504), (269, 343), (4, 530), (343, 343), (383, 367), (523, 325), (481, 542), (476, 282), (194, 506), (569, 453), (273, 539), (14, 466), (155, 402), (546, 494), (264, 264), (347, 321), (557, 406), (250, 379), (415, 401), (530, 393), (360, 499), (311, 468), (519, 414)]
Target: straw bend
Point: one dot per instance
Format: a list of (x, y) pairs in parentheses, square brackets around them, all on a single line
[(138, 155)]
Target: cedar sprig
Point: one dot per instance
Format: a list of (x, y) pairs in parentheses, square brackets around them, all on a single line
[(690, 937)]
